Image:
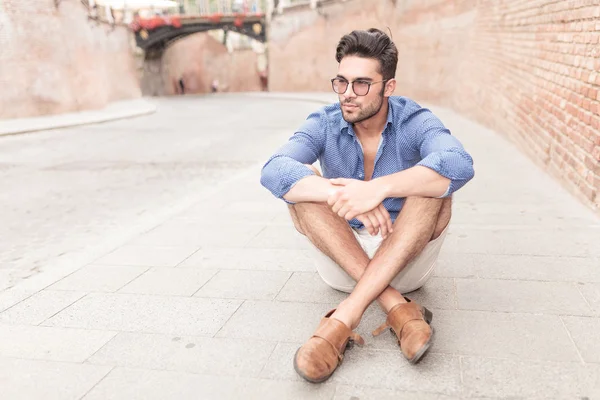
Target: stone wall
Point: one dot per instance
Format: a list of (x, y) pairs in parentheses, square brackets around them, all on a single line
[(198, 59), (54, 60), (530, 69)]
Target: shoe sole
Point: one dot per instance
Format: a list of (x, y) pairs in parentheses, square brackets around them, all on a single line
[(422, 351)]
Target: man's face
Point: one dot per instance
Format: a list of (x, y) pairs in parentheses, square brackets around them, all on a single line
[(360, 108)]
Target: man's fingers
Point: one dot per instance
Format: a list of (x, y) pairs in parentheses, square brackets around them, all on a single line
[(364, 218), (337, 206), (333, 197), (375, 223), (344, 211), (386, 215), (382, 222), (350, 214)]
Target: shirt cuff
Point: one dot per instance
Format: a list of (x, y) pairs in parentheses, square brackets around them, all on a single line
[(447, 192)]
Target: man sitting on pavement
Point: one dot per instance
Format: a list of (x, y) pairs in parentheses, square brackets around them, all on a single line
[(379, 213)]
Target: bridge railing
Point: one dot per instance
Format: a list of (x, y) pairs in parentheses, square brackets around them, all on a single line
[(222, 7)]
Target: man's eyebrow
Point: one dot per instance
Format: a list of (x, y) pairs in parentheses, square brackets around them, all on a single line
[(360, 78)]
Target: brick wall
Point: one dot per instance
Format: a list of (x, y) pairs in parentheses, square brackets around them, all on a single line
[(53, 60), (530, 69)]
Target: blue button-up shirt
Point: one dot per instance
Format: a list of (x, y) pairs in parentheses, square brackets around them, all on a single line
[(412, 136)]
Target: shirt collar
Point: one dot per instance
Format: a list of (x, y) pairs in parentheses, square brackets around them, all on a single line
[(347, 127)]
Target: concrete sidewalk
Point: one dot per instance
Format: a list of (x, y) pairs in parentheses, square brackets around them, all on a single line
[(213, 303), (116, 110)]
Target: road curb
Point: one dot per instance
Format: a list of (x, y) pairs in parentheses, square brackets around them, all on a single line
[(114, 111)]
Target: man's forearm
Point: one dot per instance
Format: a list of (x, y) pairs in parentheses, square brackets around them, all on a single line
[(416, 181), (310, 189)]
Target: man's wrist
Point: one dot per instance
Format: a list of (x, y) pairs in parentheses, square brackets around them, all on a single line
[(383, 186)]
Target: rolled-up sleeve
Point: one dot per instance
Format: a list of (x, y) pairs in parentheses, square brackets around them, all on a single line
[(287, 166), (442, 152)]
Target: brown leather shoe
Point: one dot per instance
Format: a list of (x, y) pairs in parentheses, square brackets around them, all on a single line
[(318, 358), (410, 322)]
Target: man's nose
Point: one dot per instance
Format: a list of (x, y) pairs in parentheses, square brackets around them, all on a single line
[(349, 91)]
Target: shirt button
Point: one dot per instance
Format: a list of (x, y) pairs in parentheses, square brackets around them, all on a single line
[(360, 175)]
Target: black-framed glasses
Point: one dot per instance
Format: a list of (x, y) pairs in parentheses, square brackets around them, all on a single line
[(359, 87)]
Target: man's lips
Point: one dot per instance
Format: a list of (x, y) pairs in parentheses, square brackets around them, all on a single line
[(348, 105)]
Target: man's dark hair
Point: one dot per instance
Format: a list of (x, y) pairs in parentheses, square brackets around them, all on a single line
[(370, 44)]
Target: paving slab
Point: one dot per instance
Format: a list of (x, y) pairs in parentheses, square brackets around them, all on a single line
[(251, 259), (345, 392), (148, 255), (246, 285), (52, 344), (275, 321), (503, 335), (130, 384), (37, 379), (519, 267), (169, 281), (492, 377), (39, 307), (438, 293), (562, 242), (99, 278), (561, 298), (308, 287), (584, 332), (152, 314), (199, 235), (591, 293), (435, 372), (217, 356), (278, 237)]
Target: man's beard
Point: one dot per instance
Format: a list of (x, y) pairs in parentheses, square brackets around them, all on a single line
[(365, 114)]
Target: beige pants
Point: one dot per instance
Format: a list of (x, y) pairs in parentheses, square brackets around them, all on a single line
[(411, 278)]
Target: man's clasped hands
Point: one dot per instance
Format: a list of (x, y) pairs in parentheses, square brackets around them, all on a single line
[(353, 198)]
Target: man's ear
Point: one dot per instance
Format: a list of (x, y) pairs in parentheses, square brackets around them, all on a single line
[(390, 87)]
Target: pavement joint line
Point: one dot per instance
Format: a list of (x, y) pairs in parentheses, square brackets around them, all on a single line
[(61, 310), (116, 333), (584, 298), (143, 273), (284, 285), (97, 383), (228, 319), (185, 259), (206, 283), (275, 344), (245, 246), (572, 340)]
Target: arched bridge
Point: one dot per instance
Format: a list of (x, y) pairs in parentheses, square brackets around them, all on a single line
[(152, 34)]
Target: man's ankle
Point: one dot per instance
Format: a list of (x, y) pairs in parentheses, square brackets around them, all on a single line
[(348, 313), (390, 298)]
